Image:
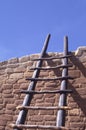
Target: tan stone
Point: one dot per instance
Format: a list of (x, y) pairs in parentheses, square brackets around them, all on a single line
[(7, 91), (20, 69), (9, 111), (9, 70), (2, 127), (50, 118), (11, 107), (46, 112), (74, 112), (13, 60), (7, 95), (8, 100), (1, 101), (16, 76), (2, 71), (24, 59), (37, 118), (7, 86), (6, 117), (24, 86), (75, 73), (12, 65)]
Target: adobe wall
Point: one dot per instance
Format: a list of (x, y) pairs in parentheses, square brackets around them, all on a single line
[(12, 79)]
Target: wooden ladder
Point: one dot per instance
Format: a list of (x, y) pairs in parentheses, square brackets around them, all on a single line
[(62, 107)]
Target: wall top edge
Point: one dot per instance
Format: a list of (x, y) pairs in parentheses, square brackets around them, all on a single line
[(80, 52)]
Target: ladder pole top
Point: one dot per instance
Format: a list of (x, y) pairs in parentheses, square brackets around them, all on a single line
[(45, 45), (65, 45)]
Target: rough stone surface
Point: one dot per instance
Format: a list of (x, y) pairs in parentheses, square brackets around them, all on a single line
[(12, 79)]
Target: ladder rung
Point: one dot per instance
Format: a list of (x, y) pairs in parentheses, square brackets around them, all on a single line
[(48, 68), (51, 58), (47, 91), (20, 126), (50, 79), (43, 108)]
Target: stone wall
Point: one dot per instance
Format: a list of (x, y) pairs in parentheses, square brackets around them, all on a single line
[(12, 79)]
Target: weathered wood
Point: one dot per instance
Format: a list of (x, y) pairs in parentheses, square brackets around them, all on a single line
[(51, 58), (23, 113), (62, 100), (49, 68), (38, 127), (43, 108), (50, 79), (46, 91)]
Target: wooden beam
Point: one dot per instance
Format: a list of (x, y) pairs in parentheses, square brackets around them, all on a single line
[(49, 68), (46, 91), (43, 108), (51, 58), (20, 126), (50, 79)]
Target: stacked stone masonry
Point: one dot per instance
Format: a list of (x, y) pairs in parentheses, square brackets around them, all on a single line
[(12, 79)]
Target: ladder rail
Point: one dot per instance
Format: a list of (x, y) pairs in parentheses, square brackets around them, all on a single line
[(62, 100), (23, 113)]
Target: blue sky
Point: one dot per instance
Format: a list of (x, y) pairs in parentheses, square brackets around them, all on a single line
[(24, 25)]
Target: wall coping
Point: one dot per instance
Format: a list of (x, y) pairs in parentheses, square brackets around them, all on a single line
[(80, 52)]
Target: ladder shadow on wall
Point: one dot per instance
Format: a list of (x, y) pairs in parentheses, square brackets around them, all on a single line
[(81, 102), (52, 63), (76, 96), (78, 64)]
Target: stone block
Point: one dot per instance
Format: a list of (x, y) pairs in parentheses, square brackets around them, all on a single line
[(77, 125), (74, 112), (37, 118), (2, 71), (8, 100), (9, 70), (20, 69), (28, 74), (50, 123), (38, 96), (2, 127), (13, 60), (7, 86), (8, 91), (20, 81), (75, 73), (11, 81), (50, 100), (6, 117), (9, 111), (24, 59), (3, 122), (24, 86), (8, 95), (11, 107), (76, 119), (18, 102), (49, 118), (46, 112), (1, 101), (16, 76), (2, 111)]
